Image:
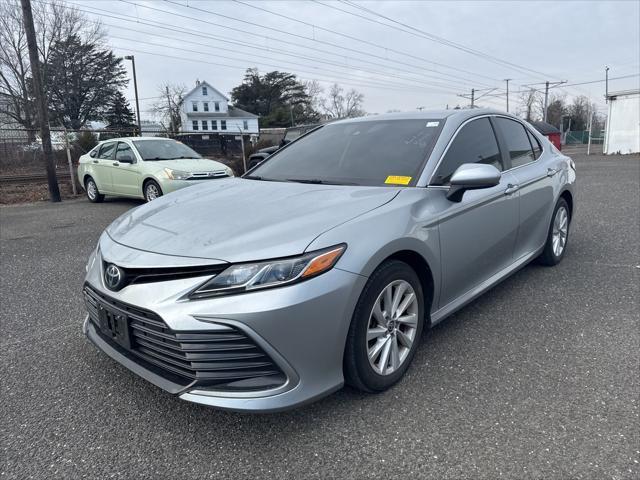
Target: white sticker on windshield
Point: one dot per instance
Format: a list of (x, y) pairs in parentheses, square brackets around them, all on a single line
[(433, 124)]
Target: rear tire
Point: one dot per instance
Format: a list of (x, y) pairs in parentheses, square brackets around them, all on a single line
[(558, 236), (385, 329), (93, 194), (152, 190)]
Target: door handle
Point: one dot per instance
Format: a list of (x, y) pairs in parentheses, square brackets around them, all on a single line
[(511, 189), (95, 161), (552, 171), (116, 164)]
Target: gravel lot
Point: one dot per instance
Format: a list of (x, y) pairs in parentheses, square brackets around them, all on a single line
[(539, 378)]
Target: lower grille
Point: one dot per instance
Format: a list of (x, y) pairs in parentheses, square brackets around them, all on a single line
[(225, 357)]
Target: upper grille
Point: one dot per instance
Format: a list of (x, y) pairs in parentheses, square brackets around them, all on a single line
[(225, 357), (147, 275)]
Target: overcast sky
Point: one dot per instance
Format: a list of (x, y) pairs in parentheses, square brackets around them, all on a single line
[(334, 41)]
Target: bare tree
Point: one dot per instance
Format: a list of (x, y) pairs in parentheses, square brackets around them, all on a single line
[(339, 104), (168, 106), (530, 102), (314, 91), (54, 22)]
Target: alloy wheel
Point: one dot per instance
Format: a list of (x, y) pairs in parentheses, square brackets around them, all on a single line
[(92, 190), (152, 192), (392, 327), (560, 231)]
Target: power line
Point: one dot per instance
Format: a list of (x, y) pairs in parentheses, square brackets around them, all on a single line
[(361, 52), (284, 52), (429, 36), (160, 25), (350, 37), (372, 81)]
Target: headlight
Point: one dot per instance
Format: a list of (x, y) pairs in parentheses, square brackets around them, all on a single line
[(229, 171), (176, 174), (245, 277)]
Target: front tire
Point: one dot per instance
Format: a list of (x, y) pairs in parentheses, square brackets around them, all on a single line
[(152, 190), (385, 329), (93, 194), (556, 245)]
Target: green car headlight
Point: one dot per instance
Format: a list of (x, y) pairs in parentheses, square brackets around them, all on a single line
[(176, 174), (246, 277)]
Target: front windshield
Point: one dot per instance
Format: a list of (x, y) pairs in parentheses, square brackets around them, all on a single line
[(163, 149), (376, 153)]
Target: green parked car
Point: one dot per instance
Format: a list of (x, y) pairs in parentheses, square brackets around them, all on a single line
[(144, 167)]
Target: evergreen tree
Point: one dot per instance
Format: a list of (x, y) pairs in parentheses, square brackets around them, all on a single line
[(119, 115)]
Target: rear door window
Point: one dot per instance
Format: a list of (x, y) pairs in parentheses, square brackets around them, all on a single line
[(537, 148), (517, 142), (106, 150), (475, 143)]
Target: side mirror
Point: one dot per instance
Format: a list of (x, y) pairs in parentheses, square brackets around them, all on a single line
[(93, 153), (125, 159), (472, 176)]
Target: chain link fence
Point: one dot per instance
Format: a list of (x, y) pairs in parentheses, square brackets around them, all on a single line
[(21, 150)]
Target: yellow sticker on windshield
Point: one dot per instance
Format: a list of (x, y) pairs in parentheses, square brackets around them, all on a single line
[(398, 180)]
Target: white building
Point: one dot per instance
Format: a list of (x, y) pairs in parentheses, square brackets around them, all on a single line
[(622, 134), (207, 111)]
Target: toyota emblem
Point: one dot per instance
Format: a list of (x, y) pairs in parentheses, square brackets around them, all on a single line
[(113, 277)]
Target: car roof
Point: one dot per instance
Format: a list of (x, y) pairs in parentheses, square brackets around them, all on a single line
[(460, 114), (136, 139)]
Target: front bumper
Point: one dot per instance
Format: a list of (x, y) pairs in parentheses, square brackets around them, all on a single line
[(168, 185), (301, 327)]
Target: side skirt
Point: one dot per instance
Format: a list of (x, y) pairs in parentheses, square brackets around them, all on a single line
[(457, 304)]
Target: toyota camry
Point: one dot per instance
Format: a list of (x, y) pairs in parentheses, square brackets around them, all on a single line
[(324, 264)]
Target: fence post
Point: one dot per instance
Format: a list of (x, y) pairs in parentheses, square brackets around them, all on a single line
[(73, 177), (590, 127)]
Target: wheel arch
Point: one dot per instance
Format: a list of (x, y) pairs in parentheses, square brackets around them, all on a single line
[(422, 268), (568, 197), (147, 179)]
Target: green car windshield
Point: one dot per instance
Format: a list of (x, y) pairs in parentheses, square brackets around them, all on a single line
[(162, 149)]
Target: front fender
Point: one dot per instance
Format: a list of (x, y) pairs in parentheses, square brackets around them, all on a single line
[(403, 224)]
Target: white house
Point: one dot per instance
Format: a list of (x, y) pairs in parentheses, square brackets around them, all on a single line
[(622, 134), (207, 111)]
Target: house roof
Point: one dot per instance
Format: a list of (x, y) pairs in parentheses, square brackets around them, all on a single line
[(545, 128), (209, 86), (238, 112), (623, 93)]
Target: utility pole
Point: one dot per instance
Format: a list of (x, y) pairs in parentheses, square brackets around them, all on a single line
[(135, 87), (546, 96), (606, 84), (507, 80), (41, 100)]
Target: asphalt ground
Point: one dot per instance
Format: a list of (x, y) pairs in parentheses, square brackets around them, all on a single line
[(539, 378)]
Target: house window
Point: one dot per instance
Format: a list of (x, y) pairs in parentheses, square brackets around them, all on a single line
[(214, 124), (206, 106), (223, 124), (195, 125), (195, 106), (204, 91), (205, 125), (216, 106), (245, 125)]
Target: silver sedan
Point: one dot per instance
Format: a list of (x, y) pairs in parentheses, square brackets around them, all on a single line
[(324, 264)]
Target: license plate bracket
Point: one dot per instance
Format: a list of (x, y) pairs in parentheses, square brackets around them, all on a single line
[(114, 325)]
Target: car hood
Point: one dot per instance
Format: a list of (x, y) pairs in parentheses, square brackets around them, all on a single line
[(236, 220), (190, 164)]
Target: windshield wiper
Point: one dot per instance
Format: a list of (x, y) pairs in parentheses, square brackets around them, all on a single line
[(317, 181), (157, 158), (264, 179)]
